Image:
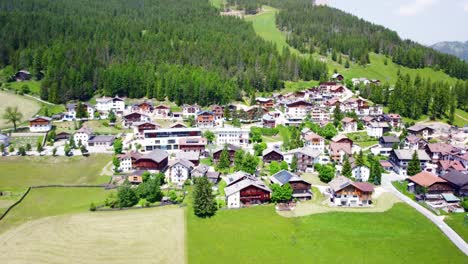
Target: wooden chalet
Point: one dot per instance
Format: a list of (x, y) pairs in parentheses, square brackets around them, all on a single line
[(430, 182), (265, 102), (205, 119), (270, 155), (344, 192), (154, 160), (162, 111), (245, 190), (230, 148), (301, 188)]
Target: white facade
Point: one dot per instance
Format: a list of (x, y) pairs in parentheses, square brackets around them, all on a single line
[(234, 136), (233, 200), (40, 128), (106, 104), (179, 173), (190, 110), (349, 127), (84, 137), (317, 144), (361, 173), (374, 131), (297, 112), (125, 164)]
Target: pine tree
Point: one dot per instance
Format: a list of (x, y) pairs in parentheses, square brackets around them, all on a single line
[(414, 166), (204, 203), (360, 159), (346, 171), (294, 164), (224, 161), (238, 159)]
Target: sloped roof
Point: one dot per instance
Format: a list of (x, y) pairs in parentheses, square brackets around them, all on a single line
[(269, 150), (339, 183), (237, 187), (191, 155), (282, 177), (440, 147), (156, 155), (186, 163), (407, 154), (390, 139), (364, 186), (425, 179), (336, 147), (455, 177)]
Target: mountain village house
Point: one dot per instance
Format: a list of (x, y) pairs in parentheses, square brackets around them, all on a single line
[(344, 192), (106, 104), (40, 124), (244, 189), (400, 159), (301, 188)]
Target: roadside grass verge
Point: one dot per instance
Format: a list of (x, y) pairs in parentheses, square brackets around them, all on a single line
[(459, 223)]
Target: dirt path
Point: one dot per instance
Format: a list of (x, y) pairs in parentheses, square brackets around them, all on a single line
[(461, 117), (107, 170)]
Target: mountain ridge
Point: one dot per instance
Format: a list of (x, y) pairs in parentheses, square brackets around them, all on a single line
[(456, 48)]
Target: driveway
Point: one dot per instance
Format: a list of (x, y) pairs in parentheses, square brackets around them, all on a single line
[(437, 220)]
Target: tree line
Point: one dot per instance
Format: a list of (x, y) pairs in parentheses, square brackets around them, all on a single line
[(143, 48), (416, 97), (324, 29)]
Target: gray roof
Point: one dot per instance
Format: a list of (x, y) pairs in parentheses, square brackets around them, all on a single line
[(284, 176), (308, 151), (407, 154), (419, 127), (236, 176), (229, 147), (390, 139), (455, 177), (106, 139), (186, 163), (191, 155), (157, 155), (339, 183), (3, 137), (266, 151), (244, 184), (201, 170)]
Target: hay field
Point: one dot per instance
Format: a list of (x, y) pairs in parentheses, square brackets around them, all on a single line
[(136, 236), (27, 106)]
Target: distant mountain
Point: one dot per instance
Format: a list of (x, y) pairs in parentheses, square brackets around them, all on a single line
[(457, 48)]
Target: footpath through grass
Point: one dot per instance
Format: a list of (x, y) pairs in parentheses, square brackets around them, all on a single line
[(259, 235)]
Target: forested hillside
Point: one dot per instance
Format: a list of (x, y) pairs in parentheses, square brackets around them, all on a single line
[(180, 49), (313, 28)]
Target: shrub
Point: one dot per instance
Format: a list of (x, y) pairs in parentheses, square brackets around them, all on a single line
[(92, 207)]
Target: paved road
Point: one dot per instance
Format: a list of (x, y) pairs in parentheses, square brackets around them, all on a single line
[(437, 220)]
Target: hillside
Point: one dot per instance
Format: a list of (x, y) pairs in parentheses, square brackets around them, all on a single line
[(180, 50), (456, 48), (324, 29), (380, 67)]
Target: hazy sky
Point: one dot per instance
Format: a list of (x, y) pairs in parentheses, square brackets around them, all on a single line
[(425, 21)]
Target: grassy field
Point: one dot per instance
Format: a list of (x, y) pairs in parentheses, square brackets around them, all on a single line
[(458, 223), (28, 171), (259, 235), (265, 26), (461, 118), (362, 139), (28, 107), (34, 86), (137, 236), (53, 201)]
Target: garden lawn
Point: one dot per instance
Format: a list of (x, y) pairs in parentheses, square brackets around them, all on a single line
[(459, 224), (259, 235), (18, 141), (29, 171), (27, 106), (52, 201)]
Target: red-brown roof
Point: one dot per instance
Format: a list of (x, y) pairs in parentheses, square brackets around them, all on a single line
[(425, 179), (364, 186), (454, 164), (385, 163)]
